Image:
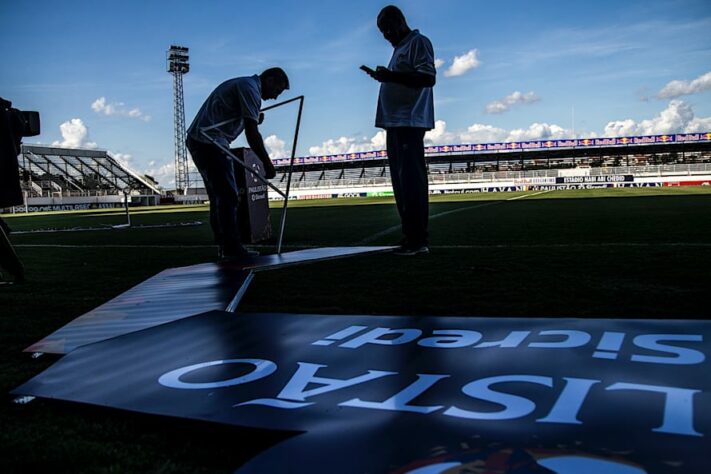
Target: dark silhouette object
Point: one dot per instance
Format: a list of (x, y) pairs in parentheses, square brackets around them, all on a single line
[(14, 124), (233, 107), (406, 111), (8, 258)]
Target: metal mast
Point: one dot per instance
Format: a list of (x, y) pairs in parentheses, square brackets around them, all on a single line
[(177, 58)]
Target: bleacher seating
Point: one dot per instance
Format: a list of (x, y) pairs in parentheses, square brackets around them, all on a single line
[(353, 173), (51, 171)]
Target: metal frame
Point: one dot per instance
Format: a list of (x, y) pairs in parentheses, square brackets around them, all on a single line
[(285, 195)]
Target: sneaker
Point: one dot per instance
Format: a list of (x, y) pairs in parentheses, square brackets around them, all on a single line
[(409, 250)]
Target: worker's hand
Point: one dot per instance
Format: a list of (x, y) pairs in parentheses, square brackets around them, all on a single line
[(382, 74), (269, 170), (261, 118)]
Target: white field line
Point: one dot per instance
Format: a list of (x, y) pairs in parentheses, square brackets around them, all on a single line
[(395, 228), (107, 227)]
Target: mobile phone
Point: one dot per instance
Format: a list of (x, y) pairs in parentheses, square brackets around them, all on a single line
[(367, 69)]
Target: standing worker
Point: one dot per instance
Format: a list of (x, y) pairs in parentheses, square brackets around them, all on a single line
[(237, 102), (406, 112)]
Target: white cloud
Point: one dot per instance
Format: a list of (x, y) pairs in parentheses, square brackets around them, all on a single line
[(678, 117), (379, 140), (439, 63), (100, 106), (481, 133), (439, 135), (502, 105), (464, 63), (275, 147), (122, 158), (679, 88), (75, 135), (538, 131), (698, 125), (349, 145), (164, 173)]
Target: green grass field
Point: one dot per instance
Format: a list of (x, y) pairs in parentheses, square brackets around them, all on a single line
[(610, 253)]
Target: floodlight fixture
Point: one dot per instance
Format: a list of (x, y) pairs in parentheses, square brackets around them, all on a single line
[(177, 59)]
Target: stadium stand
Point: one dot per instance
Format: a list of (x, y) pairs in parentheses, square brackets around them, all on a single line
[(60, 178), (663, 156), (48, 172), (54, 178)]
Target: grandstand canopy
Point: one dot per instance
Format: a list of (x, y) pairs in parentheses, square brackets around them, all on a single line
[(48, 171)]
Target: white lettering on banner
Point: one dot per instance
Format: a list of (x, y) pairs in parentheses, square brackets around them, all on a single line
[(257, 189), (678, 402), (400, 401), (608, 346), (295, 389), (594, 179), (374, 337), (514, 406), (572, 339), (349, 331), (306, 374), (685, 356), (514, 339), (68, 207), (568, 405), (677, 412), (456, 338), (262, 368)]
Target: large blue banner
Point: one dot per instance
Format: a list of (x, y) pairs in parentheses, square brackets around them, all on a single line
[(378, 394)]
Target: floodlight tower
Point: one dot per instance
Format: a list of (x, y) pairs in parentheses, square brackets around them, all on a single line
[(177, 58)]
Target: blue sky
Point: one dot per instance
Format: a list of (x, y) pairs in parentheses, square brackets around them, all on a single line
[(510, 69)]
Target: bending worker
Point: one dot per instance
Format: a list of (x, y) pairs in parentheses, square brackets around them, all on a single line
[(239, 99)]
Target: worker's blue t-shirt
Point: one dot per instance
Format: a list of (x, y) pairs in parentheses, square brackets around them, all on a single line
[(239, 98)]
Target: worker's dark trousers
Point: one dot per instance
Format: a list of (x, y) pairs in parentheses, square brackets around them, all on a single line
[(218, 174), (406, 155)]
